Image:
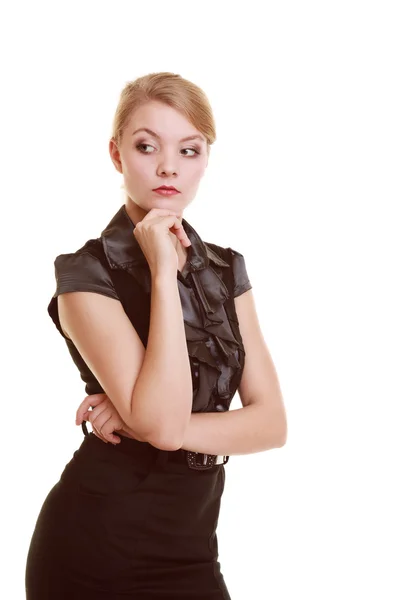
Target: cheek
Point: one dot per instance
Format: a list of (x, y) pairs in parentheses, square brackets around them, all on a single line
[(197, 170), (138, 167)]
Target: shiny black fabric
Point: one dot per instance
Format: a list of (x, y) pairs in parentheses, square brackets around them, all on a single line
[(115, 266), (131, 521)]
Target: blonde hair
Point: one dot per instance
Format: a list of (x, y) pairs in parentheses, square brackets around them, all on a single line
[(171, 89)]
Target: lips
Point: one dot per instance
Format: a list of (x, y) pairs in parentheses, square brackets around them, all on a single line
[(166, 187)]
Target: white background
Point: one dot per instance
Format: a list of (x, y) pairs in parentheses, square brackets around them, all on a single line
[(304, 181)]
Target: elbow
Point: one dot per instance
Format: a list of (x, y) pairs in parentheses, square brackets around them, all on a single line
[(156, 439), (169, 438), (281, 437), (165, 442), (160, 437), (277, 430), (281, 441), (163, 431)]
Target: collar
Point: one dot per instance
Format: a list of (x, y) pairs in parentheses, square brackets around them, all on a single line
[(123, 250)]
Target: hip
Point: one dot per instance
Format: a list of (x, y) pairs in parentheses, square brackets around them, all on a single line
[(146, 495), (119, 511)]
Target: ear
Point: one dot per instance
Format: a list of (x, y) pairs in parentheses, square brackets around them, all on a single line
[(115, 156)]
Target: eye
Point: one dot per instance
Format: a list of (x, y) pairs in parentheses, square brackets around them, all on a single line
[(139, 147), (191, 150)]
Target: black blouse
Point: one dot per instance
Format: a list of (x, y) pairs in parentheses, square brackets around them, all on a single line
[(115, 266)]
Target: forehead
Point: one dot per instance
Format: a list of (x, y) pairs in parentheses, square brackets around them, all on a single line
[(164, 120)]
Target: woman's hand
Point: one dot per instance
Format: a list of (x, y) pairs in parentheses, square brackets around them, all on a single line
[(152, 235), (104, 418)]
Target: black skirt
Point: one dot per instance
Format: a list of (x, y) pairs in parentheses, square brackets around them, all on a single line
[(128, 522)]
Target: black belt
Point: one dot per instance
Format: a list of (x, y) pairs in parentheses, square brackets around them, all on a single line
[(195, 460), (200, 461)]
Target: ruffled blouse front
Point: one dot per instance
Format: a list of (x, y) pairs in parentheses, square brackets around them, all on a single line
[(209, 337), (216, 354)]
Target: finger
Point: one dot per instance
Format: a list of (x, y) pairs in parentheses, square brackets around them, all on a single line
[(178, 230), (92, 400), (155, 213), (175, 224), (98, 421), (99, 436), (159, 212), (98, 433), (105, 424), (183, 238), (106, 427), (97, 418), (113, 423), (107, 437), (91, 416), (82, 408), (108, 430), (97, 410)]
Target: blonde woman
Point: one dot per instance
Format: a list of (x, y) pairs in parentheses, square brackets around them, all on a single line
[(158, 323)]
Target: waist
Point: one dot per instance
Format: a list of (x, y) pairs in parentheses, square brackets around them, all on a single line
[(194, 460)]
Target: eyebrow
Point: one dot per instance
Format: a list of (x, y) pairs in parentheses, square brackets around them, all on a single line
[(186, 139)]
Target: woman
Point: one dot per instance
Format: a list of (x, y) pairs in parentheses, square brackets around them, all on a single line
[(158, 323)]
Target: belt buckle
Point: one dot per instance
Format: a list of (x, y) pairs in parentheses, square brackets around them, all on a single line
[(207, 461), (222, 460)]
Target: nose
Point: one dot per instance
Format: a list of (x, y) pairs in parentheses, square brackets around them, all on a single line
[(167, 166)]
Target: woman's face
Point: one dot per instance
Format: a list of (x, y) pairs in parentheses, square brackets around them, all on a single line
[(150, 159)]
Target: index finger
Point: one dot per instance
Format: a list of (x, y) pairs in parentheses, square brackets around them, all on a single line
[(181, 234), (92, 400), (160, 211)]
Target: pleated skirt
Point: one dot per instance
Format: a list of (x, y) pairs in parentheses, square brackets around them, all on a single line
[(128, 522)]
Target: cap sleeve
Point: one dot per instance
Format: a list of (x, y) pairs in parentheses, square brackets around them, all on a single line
[(241, 281), (81, 272)]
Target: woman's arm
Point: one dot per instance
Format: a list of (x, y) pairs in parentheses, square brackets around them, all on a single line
[(150, 388), (261, 423), (240, 431), (163, 391)]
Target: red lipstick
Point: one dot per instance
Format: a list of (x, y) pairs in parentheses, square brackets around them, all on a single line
[(166, 190)]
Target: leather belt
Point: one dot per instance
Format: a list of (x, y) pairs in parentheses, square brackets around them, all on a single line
[(200, 461), (195, 460)]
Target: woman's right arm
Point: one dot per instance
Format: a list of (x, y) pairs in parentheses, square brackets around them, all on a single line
[(150, 388)]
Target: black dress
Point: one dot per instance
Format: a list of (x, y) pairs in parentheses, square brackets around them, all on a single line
[(130, 520)]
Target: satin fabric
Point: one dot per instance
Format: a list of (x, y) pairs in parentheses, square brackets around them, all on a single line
[(113, 263)]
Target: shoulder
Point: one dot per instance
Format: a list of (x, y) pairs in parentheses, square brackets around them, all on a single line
[(228, 254), (86, 269), (237, 264)]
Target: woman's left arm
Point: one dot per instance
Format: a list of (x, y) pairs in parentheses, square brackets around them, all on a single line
[(261, 423)]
